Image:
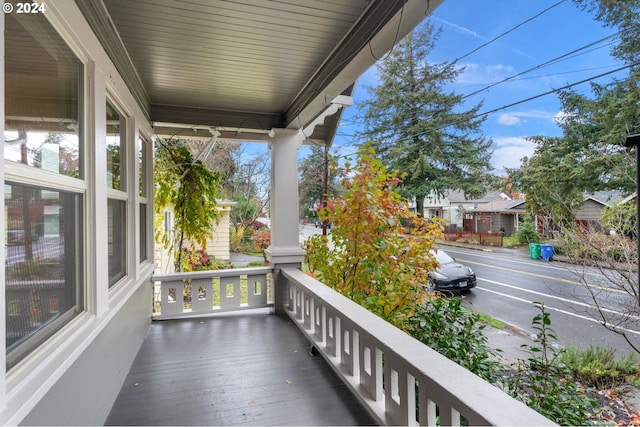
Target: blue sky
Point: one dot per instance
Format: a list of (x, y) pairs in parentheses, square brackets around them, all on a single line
[(468, 24)]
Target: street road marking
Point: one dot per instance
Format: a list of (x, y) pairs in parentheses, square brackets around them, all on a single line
[(542, 276), (561, 311), (565, 300)]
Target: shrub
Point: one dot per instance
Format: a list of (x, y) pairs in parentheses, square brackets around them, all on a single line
[(262, 239), (371, 259), (455, 332), (598, 366), (545, 384), (200, 260), (528, 233)]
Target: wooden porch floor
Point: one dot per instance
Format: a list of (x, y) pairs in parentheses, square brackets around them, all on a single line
[(233, 369)]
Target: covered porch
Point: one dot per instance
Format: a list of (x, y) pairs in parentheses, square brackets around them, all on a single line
[(107, 77), (233, 356)]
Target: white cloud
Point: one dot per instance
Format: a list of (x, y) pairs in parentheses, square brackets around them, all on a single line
[(509, 151), (514, 118), (484, 74), (508, 119)]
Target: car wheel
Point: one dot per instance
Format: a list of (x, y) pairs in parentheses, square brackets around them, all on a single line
[(431, 285)]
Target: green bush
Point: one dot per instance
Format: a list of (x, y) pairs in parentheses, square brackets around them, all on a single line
[(528, 233), (455, 332), (598, 366), (545, 384)]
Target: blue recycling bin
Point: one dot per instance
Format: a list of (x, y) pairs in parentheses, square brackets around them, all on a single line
[(546, 252)]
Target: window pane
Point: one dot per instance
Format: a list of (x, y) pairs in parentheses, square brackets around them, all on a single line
[(43, 81), (143, 232), (43, 264), (142, 167), (115, 152), (117, 212)]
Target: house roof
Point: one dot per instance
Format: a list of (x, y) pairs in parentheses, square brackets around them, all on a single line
[(457, 196), (501, 206), (605, 197), (243, 67)]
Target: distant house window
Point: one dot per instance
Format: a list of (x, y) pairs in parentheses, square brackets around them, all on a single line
[(117, 195), (44, 267)]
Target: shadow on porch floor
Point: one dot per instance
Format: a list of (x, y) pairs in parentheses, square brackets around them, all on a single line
[(249, 368)]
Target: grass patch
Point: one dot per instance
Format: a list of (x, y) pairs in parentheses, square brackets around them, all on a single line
[(510, 241), (495, 323)]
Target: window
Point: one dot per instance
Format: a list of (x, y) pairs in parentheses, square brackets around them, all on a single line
[(43, 264), (117, 226), (117, 196), (115, 153), (42, 97), (143, 171), (44, 233)]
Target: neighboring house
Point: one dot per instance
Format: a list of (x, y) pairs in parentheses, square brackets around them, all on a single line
[(498, 216), (591, 210), (218, 245), (505, 215), (453, 206)]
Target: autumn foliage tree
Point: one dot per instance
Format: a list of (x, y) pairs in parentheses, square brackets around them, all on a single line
[(370, 257)]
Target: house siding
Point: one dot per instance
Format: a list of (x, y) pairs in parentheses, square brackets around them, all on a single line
[(590, 211), (85, 393)]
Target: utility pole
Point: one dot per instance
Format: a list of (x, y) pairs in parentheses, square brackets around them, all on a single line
[(634, 141)]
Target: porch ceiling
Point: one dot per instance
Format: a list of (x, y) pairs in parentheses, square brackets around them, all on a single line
[(247, 65)]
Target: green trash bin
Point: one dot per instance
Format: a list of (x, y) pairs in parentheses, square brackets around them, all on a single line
[(535, 250)]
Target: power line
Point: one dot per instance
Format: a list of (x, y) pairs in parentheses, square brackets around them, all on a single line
[(544, 64), (509, 31), (531, 98)]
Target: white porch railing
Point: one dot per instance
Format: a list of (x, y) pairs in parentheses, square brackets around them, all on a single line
[(214, 291), (397, 378)]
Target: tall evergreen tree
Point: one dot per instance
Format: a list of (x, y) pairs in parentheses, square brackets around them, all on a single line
[(421, 129)]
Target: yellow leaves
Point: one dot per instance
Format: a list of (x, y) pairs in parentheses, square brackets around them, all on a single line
[(375, 260), (289, 382)]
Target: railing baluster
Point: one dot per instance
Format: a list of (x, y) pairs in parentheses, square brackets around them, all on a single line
[(204, 286), (360, 345), (172, 304), (201, 295), (229, 292)]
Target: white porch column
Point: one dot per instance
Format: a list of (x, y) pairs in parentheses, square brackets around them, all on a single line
[(285, 241), (285, 250)]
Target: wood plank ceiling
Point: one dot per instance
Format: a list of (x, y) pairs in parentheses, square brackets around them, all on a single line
[(247, 65)]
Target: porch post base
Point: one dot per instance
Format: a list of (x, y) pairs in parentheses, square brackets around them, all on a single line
[(280, 258)]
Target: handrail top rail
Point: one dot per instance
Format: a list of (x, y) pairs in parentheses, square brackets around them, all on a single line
[(205, 274), (463, 384)]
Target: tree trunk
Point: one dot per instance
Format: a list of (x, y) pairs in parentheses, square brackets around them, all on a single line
[(420, 206)]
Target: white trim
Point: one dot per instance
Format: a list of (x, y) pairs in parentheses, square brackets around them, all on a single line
[(3, 340)]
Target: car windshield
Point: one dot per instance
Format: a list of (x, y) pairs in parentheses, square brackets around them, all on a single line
[(442, 257)]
